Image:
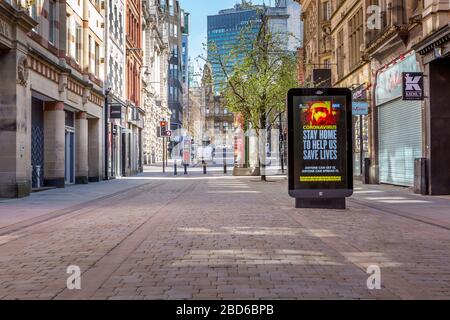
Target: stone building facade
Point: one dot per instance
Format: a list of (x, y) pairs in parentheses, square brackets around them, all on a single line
[(173, 15), (115, 84), (218, 119), (155, 79), (195, 124), (316, 17), (134, 118), (395, 125), (434, 57), (347, 30), (375, 44), (52, 98)]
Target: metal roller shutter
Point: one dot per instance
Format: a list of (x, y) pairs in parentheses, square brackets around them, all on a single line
[(400, 141)]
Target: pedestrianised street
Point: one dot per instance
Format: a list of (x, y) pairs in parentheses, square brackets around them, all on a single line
[(215, 236), (179, 150)]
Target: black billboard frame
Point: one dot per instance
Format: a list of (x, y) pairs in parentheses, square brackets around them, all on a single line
[(320, 198)]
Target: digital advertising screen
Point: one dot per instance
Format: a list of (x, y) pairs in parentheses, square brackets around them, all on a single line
[(320, 143)]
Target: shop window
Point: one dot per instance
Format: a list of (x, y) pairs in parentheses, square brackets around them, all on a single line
[(52, 22), (356, 37), (78, 41), (97, 59)]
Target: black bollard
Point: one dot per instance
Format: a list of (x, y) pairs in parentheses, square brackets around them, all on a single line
[(175, 168), (204, 167), (185, 169), (224, 161)]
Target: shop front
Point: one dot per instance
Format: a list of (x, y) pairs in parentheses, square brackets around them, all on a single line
[(131, 152), (15, 106), (69, 147), (360, 111), (399, 123), (118, 127), (435, 56), (50, 129)]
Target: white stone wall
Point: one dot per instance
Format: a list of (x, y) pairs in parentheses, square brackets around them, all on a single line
[(154, 87), (294, 25), (78, 12), (115, 51)]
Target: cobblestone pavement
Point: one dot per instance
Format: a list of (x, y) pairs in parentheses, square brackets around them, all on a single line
[(215, 237)]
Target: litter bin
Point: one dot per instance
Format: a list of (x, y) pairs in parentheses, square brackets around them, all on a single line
[(420, 176), (366, 171)]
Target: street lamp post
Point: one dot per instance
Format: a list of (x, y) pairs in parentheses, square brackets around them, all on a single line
[(164, 154), (281, 143), (281, 151)]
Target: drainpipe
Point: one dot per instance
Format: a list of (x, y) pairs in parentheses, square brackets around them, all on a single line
[(107, 91), (106, 134), (372, 175)]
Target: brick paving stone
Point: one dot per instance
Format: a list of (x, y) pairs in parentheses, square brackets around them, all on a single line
[(177, 241)]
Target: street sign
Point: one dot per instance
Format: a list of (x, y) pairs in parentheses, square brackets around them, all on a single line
[(186, 151), (360, 105), (360, 108), (322, 77), (320, 145), (413, 86), (115, 111), (168, 133)]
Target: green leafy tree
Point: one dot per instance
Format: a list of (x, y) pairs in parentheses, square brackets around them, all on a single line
[(256, 85)]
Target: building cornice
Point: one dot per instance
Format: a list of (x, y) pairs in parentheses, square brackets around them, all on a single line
[(41, 56), (383, 39), (435, 40), (64, 70), (17, 16)]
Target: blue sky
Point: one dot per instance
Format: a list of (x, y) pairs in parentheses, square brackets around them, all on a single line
[(199, 10)]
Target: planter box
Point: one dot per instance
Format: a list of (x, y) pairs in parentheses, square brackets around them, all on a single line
[(244, 172)]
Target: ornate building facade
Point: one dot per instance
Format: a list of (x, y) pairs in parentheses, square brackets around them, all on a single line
[(195, 124), (155, 79), (347, 30), (133, 157), (115, 84), (316, 53), (374, 44), (218, 119), (51, 58), (434, 56)]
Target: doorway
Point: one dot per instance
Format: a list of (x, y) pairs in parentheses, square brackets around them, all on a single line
[(70, 157), (117, 138), (37, 142), (439, 117), (124, 154)]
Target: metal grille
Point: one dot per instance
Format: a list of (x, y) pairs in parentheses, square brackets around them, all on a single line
[(37, 156), (400, 134)]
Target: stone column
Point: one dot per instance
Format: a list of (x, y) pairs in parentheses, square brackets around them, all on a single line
[(15, 127), (54, 144), (81, 148), (95, 150)]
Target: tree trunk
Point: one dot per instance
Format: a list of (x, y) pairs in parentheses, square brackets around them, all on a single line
[(262, 140)]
